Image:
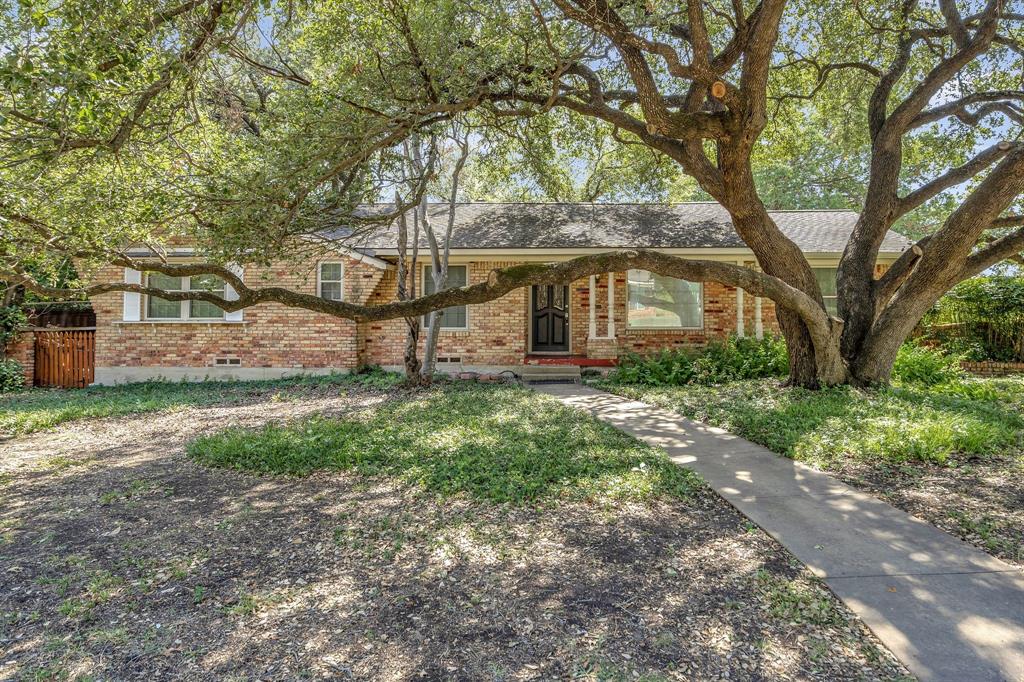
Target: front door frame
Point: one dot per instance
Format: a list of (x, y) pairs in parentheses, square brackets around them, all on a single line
[(530, 292)]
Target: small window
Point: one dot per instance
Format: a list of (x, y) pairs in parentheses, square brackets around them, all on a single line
[(658, 302), (330, 283), (827, 282), (457, 316), (162, 309)]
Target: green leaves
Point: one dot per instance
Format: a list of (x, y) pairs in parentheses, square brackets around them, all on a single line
[(141, 121)]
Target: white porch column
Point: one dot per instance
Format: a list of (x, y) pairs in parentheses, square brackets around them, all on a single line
[(611, 305), (740, 332), (758, 323), (593, 306)]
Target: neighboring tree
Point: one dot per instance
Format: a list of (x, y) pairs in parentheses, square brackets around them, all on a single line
[(406, 289), (440, 251), (421, 161), (12, 323), (419, 168), (248, 128)]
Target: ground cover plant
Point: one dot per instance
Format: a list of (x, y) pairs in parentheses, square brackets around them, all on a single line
[(978, 418), (124, 557), (479, 440), (921, 365), (729, 359)]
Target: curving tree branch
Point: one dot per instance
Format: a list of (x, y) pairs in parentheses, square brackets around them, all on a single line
[(499, 282)]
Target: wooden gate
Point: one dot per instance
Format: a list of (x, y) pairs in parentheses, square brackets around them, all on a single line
[(65, 358)]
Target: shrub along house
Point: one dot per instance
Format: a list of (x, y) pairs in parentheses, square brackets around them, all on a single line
[(589, 322)]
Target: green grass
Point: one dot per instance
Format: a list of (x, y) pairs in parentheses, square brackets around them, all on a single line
[(38, 409), (495, 443), (971, 417)]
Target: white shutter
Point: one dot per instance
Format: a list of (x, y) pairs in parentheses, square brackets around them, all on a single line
[(231, 295), (132, 300)]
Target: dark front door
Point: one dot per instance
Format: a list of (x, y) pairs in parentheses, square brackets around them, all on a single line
[(550, 306)]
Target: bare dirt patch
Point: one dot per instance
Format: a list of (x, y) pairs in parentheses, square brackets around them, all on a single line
[(978, 500), (123, 559)]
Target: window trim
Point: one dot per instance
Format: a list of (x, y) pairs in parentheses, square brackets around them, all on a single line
[(426, 276), (320, 280), (184, 307), (703, 311)]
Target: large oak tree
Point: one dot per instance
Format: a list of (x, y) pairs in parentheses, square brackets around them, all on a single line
[(249, 127)]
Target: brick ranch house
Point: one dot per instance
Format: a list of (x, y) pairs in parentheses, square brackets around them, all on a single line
[(589, 322)]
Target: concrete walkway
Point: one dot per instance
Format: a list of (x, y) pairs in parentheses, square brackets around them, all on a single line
[(947, 610)]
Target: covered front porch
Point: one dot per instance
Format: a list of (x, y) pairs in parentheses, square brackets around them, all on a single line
[(595, 320)]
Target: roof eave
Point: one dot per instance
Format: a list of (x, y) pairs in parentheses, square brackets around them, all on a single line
[(565, 252)]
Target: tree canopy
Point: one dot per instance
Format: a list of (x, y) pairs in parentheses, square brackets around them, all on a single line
[(240, 126)]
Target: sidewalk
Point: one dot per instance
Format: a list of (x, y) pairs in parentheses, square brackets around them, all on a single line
[(947, 610)]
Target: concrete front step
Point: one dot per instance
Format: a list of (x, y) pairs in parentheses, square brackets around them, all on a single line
[(535, 374)]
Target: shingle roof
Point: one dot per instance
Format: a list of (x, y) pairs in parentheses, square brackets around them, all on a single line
[(613, 226)]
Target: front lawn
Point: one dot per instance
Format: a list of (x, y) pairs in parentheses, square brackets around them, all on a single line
[(466, 532), (952, 452), (34, 409)]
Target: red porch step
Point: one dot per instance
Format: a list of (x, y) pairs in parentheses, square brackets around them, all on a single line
[(578, 360)]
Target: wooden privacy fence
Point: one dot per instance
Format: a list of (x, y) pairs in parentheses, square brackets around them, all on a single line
[(65, 358)]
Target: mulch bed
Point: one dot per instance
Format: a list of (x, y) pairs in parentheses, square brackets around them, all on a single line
[(120, 558)]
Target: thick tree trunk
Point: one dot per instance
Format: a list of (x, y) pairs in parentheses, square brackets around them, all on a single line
[(873, 366), (776, 254)]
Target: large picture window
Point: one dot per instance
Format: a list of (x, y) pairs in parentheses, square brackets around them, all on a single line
[(657, 302), (457, 316), (161, 309), (827, 281)]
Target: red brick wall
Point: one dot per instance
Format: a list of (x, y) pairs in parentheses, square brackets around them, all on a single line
[(271, 335), (497, 331), (23, 350), (993, 369), (579, 313)]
